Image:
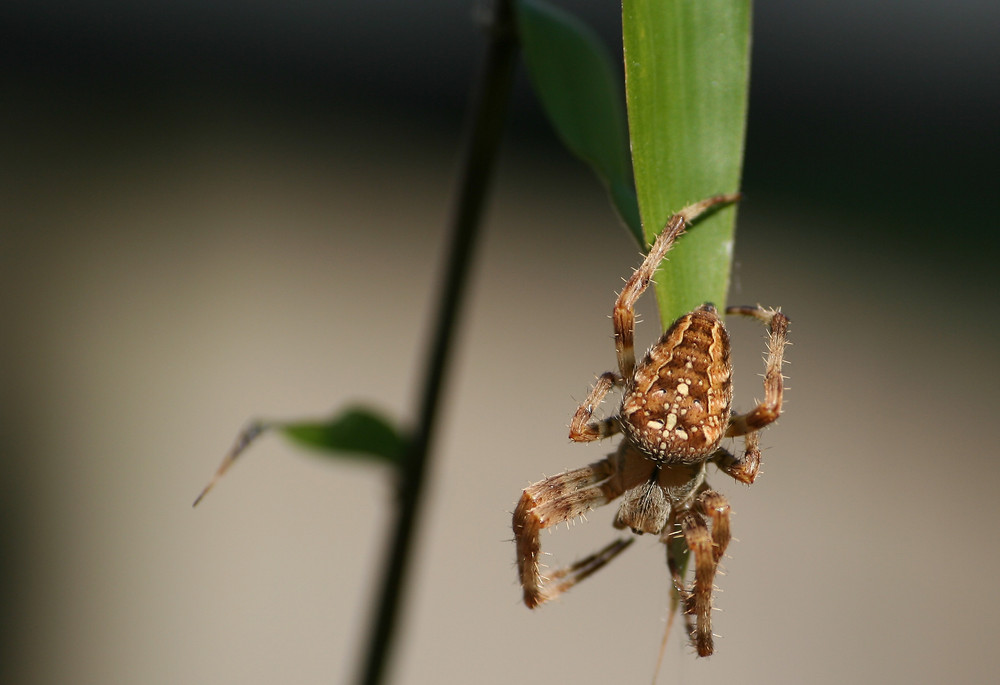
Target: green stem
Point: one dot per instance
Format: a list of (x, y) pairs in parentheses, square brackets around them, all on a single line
[(483, 140)]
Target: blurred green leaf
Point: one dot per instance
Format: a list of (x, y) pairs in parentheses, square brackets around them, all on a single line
[(681, 554), (355, 432), (686, 75), (578, 84)]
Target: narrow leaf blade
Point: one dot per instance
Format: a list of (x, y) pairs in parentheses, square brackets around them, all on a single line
[(686, 76), (356, 432)]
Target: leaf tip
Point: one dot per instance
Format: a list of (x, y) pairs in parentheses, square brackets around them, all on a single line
[(243, 440)]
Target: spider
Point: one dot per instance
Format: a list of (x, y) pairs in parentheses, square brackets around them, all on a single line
[(674, 414)]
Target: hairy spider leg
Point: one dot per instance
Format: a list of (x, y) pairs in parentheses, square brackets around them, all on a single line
[(623, 314), (583, 427), (564, 497), (769, 410), (743, 468)]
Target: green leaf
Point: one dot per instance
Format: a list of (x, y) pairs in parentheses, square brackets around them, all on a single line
[(681, 554), (356, 431), (578, 84), (686, 75)]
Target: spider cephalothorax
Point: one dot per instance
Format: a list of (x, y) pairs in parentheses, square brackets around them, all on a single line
[(674, 414)]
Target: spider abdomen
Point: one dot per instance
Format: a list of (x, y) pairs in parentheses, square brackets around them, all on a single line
[(677, 408)]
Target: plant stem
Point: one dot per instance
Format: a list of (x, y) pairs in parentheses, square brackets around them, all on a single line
[(483, 139)]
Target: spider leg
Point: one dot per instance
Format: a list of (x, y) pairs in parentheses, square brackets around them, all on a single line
[(745, 468), (676, 550), (583, 568), (583, 427), (769, 410), (716, 506), (623, 314), (699, 600), (563, 498)]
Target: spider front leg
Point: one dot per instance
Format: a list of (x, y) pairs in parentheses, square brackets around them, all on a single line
[(548, 503), (715, 506), (707, 549), (769, 410), (563, 498), (676, 551), (623, 314)]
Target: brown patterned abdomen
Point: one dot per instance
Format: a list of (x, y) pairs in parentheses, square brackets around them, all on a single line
[(678, 408)]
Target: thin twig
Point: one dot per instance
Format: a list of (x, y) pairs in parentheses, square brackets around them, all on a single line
[(482, 142)]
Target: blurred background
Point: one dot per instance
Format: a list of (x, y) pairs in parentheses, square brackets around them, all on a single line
[(212, 211)]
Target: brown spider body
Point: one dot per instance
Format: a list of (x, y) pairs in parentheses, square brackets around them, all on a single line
[(674, 414), (677, 407)]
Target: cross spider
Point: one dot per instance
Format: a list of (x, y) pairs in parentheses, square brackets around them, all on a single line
[(675, 412)]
